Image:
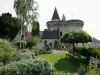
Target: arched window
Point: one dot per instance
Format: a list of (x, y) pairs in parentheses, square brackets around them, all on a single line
[(50, 44), (22, 37)]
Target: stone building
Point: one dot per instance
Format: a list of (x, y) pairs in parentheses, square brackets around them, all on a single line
[(57, 27)]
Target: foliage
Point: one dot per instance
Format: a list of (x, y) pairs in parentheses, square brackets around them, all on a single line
[(26, 10), (9, 26), (36, 51), (35, 29), (93, 68), (32, 42), (88, 51), (41, 51), (23, 55), (56, 45), (27, 67), (1, 64), (6, 51), (47, 49), (82, 70), (76, 36)]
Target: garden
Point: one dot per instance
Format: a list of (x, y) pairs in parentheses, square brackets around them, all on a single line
[(24, 58)]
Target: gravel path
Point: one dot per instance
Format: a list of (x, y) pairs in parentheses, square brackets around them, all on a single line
[(58, 51)]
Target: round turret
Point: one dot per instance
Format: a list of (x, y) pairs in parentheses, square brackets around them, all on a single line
[(75, 22)]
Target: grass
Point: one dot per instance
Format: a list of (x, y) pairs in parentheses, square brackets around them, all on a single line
[(63, 65)]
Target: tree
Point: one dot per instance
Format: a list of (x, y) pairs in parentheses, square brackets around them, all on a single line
[(76, 36), (26, 11), (32, 42), (9, 26), (35, 29)]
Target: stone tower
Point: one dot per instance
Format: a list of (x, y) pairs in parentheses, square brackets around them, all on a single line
[(63, 25)]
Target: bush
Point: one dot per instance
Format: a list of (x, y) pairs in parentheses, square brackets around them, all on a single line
[(88, 51), (1, 64), (27, 67), (93, 68), (82, 70), (7, 51), (36, 51), (32, 42), (24, 55), (41, 51)]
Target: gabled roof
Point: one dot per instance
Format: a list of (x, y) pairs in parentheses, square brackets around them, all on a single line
[(48, 34), (55, 15), (95, 40), (63, 18)]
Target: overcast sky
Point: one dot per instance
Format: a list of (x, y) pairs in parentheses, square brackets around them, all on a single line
[(86, 10)]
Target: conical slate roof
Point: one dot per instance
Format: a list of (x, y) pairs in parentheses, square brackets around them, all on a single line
[(63, 18), (55, 15)]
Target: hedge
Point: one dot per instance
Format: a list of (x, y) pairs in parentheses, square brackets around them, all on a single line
[(88, 51)]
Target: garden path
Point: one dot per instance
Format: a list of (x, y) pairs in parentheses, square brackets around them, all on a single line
[(58, 51)]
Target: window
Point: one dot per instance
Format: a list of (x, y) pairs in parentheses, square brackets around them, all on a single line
[(50, 44), (45, 42), (22, 37), (60, 33)]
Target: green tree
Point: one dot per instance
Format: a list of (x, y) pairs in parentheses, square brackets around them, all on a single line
[(76, 36), (26, 10), (35, 29), (32, 42), (9, 26)]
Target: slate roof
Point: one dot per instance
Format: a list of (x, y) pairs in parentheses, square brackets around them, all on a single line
[(94, 40), (63, 18), (55, 15), (74, 20), (48, 34)]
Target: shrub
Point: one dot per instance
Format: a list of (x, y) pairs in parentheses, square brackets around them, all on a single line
[(88, 51), (1, 64), (41, 51), (32, 42), (27, 67), (6, 51), (82, 70), (93, 68), (23, 55), (36, 51), (48, 52)]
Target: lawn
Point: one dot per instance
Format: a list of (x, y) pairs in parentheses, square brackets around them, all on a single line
[(63, 65)]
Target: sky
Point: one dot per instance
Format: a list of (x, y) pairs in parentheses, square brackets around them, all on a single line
[(86, 10)]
